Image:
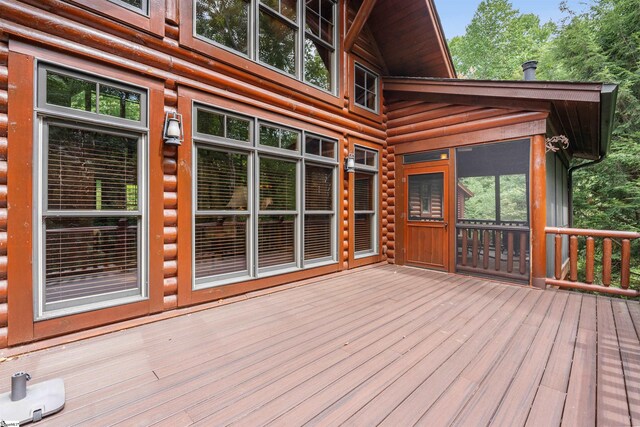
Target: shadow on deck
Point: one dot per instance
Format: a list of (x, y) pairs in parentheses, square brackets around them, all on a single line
[(391, 345)]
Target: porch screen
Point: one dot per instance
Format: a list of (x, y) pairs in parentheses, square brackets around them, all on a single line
[(493, 209), (221, 213)]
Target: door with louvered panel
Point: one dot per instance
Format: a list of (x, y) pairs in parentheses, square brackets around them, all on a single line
[(426, 198)]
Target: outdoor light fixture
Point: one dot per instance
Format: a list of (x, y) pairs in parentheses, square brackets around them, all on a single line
[(172, 133), (350, 163)]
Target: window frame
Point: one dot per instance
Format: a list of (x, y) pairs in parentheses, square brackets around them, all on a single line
[(144, 10), (203, 44), (375, 212), (255, 152), (367, 73), (48, 115), (152, 21)]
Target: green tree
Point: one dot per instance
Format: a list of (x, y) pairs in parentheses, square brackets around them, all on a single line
[(498, 40)]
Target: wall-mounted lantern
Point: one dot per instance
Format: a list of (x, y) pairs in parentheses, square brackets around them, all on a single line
[(350, 163), (172, 133)]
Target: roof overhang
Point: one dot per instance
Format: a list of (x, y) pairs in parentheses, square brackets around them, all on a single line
[(410, 38), (581, 111)]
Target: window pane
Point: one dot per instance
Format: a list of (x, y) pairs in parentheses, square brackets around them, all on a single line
[(71, 92), (210, 123), (91, 170), (318, 190), (317, 236), (119, 103), (225, 22), (329, 149), (238, 129), (220, 245), (366, 157), (363, 234), (312, 145), (371, 101), (289, 8), (135, 3), (279, 138), (276, 244), (277, 185), (317, 64), (90, 256), (426, 197), (222, 180), (363, 194), (277, 43), (319, 19)]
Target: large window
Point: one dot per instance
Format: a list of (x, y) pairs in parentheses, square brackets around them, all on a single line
[(264, 204), (365, 202), (91, 205), (296, 38)]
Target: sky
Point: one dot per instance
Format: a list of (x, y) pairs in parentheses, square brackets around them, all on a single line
[(457, 14)]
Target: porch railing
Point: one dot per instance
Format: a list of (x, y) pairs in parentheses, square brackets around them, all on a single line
[(611, 266), (496, 250)]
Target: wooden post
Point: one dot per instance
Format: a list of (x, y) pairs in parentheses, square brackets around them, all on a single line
[(538, 212)]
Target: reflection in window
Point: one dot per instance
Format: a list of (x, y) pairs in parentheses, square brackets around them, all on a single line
[(426, 197), (137, 5), (318, 146), (277, 137), (366, 88), (277, 43), (221, 238), (277, 185), (79, 94), (274, 40), (364, 212), (225, 22), (222, 125)]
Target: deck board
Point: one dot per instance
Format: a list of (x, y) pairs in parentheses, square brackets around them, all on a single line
[(389, 345)]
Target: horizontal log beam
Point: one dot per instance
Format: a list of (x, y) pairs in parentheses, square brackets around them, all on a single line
[(565, 284), (593, 233)]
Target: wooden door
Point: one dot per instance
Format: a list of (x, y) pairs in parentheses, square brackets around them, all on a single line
[(426, 203)]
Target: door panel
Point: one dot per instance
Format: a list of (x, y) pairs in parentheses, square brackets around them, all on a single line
[(426, 198)]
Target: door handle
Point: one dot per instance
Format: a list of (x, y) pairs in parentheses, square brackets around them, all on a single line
[(446, 224)]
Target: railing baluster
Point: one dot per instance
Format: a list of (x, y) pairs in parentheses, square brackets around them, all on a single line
[(626, 264), (474, 250), (485, 258), (606, 262), (523, 252), (573, 258), (498, 249), (465, 246), (590, 260), (510, 251), (558, 256)]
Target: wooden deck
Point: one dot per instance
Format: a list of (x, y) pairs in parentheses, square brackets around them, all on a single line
[(386, 345)]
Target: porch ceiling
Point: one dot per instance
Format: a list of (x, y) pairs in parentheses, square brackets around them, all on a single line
[(581, 111), (387, 344)]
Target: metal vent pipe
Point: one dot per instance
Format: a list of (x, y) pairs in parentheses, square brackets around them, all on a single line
[(529, 69)]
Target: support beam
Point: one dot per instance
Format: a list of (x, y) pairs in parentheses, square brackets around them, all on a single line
[(358, 23), (538, 212)]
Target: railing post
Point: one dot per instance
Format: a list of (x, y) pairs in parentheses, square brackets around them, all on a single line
[(538, 212)]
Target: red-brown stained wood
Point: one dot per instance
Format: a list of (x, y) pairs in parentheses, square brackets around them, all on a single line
[(465, 246), (589, 274), (558, 256), (625, 267), (510, 251), (474, 249), (573, 258), (523, 252), (498, 243), (606, 262), (485, 257)]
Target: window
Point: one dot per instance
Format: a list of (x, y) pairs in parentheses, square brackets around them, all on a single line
[(270, 32), (426, 193), (140, 6), (365, 202), (366, 88), (90, 248), (262, 207)]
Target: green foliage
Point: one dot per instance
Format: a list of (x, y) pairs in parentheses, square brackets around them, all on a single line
[(498, 40)]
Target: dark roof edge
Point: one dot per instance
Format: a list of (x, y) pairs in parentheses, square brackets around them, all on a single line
[(440, 30), (608, 98)]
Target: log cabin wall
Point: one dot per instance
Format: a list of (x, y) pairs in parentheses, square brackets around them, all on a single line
[(135, 48), (4, 101)]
